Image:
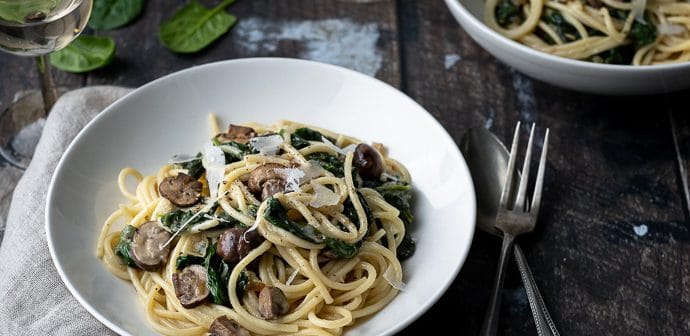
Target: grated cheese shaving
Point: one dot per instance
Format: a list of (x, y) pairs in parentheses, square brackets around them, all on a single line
[(670, 28), (267, 145), (638, 7), (292, 178), (397, 284), (323, 196), (214, 162), (182, 158)]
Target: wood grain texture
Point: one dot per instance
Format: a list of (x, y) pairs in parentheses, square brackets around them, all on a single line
[(613, 168)]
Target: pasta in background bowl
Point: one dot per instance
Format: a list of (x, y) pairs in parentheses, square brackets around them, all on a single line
[(534, 45), (170, 116)]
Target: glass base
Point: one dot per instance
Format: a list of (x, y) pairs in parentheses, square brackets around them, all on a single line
[(21, 125)]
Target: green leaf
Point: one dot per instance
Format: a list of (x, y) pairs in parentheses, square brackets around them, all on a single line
[(186, 260), (507, 12), (398, 195), (124, 245), (328, 162), (343, 249), (109, 14), (643, 33), (17, 11), (85, 53), (300, 137), (277, 215), (194, 167), (194, 27)]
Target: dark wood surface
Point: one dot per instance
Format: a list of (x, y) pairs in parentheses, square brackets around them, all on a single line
[(616, 164)]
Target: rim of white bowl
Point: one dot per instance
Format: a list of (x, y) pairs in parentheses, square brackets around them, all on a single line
[(456, 7)]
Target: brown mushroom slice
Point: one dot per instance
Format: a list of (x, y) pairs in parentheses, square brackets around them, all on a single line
[(236, 133), (148, 250), (181, 190), (223, 326), (368, 160), (272, 303), (272, 187), (249, 241), (236, 243), (228, 241), (191, 286), (266, 180)]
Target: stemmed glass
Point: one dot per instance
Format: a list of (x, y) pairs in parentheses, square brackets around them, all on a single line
[(36, 28)]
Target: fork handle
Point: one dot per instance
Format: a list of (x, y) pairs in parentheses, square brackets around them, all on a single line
[(542, 318), (490, 325)]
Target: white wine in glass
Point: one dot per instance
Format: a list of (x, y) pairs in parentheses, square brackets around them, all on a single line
[(37, 28)]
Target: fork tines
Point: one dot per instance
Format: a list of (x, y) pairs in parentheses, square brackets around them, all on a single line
[(508, 189)]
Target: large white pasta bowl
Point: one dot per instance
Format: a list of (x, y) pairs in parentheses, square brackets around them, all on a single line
[(567, 73), (169, 116)]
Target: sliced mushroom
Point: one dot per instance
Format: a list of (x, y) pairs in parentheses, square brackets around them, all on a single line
[(272, 187), (191, 286), (181, 190), (368, 160), (267, 180), (148, 251), (227, 244), (236, 243), (223, 326), (249, 241), (272, 303), (236, 133)]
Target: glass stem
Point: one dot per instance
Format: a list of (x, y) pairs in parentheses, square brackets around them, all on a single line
[(48, 88)]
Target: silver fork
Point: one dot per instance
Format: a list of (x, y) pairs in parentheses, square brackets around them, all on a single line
[(514, 217)]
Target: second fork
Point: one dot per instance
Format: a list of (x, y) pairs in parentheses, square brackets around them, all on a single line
[(516, 215)]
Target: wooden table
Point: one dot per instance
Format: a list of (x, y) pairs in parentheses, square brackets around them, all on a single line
[(611, 251)]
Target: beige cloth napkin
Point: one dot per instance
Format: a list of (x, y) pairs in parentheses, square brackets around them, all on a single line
[(33, 298)]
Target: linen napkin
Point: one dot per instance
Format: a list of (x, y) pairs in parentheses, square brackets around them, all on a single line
[(33, 298)]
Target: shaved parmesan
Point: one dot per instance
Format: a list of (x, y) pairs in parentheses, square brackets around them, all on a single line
[(266, 145), (670, 28), (323, 196), (312, 169), (397, 284), (344, 151), (292, 178), (182, 158), (214, 162), (638, 7)]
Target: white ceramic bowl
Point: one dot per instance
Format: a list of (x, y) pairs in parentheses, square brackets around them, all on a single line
[(169, 116), (572, 74)]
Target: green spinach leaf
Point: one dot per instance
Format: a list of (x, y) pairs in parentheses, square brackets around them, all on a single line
[(18, 11), (406, 248), (215, 269), (85, 53), (234, 151), (109, 14), (194, 27), (643, 33), (194, 167), (328, 162), (124, 245), (507, 13), (300, 137), (186, 260), (564, 29), (398, 195), (351, 213), (343, 249), (277, 215), (174, 220), (242, 283)]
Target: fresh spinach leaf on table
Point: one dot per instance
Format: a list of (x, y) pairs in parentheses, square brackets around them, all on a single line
[(84, 54), (110, 14), (194, 27)]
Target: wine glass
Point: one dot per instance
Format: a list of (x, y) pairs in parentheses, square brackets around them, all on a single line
[(35, 28)]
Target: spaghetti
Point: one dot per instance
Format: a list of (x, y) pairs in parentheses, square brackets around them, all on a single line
[(637, 32), (283, 229)]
